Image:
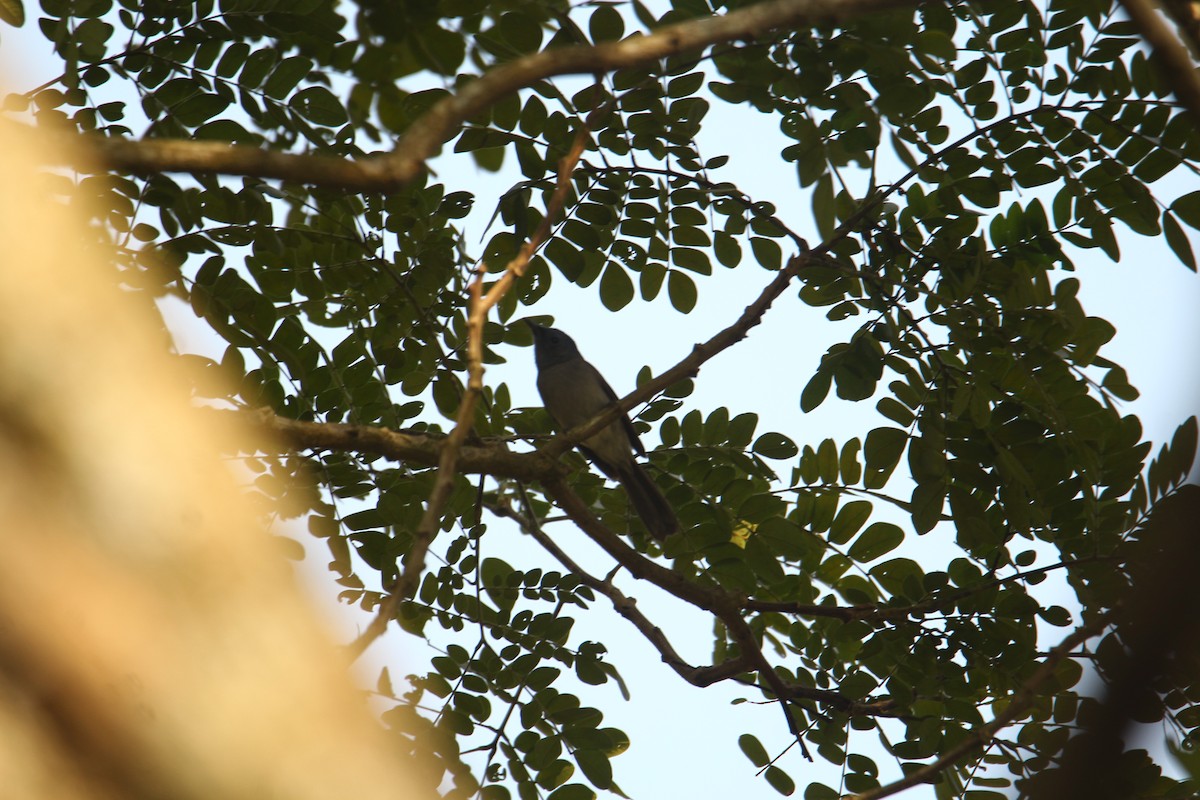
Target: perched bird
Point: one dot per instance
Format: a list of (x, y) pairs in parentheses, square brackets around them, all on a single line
[(573, 391)]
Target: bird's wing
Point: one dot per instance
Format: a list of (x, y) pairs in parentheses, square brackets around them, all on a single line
[(626, 423)]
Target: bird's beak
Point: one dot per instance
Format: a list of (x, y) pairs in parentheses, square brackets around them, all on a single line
[(538, 330)]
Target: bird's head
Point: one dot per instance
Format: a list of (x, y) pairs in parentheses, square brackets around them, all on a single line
[(551, 346)]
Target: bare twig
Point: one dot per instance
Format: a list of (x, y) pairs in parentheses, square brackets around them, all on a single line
[(447, 469), (724, 605)]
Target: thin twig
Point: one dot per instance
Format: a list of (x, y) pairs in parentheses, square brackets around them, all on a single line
[(480, 304)]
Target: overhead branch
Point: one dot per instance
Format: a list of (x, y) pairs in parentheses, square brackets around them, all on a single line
[(425, 137)]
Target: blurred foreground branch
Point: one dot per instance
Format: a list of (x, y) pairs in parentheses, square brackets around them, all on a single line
[(154, 643)]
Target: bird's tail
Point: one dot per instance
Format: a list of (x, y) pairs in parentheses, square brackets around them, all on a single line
[(648, 501)]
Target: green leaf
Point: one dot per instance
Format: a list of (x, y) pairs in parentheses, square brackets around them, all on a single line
[(286, 76), (754, 750), (572, 791), (766, 252), (1178, 241), (595, 766), (827, 461), (882, 451), (780, 781), (896, 411), (727, 249), (616, 290), (776, 446), (606, 24), (682, 290), (851, 469), (12, 12), (928, 499), (815, 391), (1187, 208), (522, 31), (879, 539), (849, 519), (498, 582), (692, 259)]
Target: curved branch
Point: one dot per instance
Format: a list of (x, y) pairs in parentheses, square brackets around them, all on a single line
[(425, 137), (723, 605), (1172, 55), (1187, 17)]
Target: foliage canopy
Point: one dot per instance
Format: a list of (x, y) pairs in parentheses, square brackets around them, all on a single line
[(959, 157)]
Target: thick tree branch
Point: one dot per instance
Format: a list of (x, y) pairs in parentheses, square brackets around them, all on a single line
[(1172, 55), (1186, 14), (425, 137), (706, 597), (724, 605), (418, 449), (1018, 704)]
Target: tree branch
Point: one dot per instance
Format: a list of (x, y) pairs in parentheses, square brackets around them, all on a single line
[(1172, 56), (1018, 704), (425, 137), (724, 605), (708, 598), (1186, 14)]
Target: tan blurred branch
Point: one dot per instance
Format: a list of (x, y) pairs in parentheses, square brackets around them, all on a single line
[(1186, 14), (1169, 51), (1158, 628), (154, 644)]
